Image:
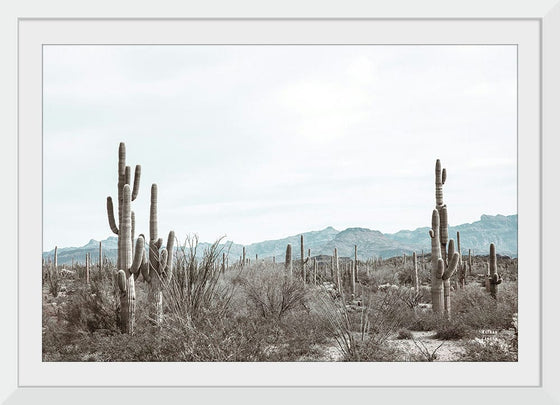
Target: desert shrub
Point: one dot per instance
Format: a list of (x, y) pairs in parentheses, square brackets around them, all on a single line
[(404, 334), (452, 330), (53, 278), (272, 293), (479, 310), (196, 284), (371, 351), (424, 321), (387, 312), (382, 275), (424, 353), (91, 307), (368, 326), (490, 349)]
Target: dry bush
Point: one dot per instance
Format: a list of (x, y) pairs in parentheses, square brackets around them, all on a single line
[(91, 307), (490, 349), (478, 310), (361, 334), (196, 285), (53, 279), (273, 293)]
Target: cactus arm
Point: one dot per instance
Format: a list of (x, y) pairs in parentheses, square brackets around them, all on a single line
[(125, 242), (434, 234), (145, 268), (127, 175), (121, 280), (136, 187), (450, 249), (132, 225), (443, 225), (440, 267), (162, 261), (111, 216), (137, 261), (153, 213), (443, 176), (439, 183), (452, 267), (170, 249)]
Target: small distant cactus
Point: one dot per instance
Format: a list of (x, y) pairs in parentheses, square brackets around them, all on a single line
[(494, 279), (337, 270), (415, 270), (288, 262), (353, 272), (303, 275)]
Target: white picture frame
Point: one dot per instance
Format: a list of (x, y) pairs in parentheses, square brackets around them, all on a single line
[(546, 15)]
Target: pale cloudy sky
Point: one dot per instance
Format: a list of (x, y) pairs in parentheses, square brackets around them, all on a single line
[(262, 142)]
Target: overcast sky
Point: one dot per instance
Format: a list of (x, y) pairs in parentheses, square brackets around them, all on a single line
[(262, 142)]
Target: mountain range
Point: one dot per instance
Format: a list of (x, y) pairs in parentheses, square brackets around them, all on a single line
[(477, 236)]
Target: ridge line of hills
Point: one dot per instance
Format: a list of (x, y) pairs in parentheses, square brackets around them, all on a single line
[(477, 236)]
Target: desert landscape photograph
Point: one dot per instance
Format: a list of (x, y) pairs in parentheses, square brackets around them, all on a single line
[(280, 203)]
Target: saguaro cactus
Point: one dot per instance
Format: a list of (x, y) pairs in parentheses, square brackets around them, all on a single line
[(87, 267), (159, 268), (444, 263), (415, 275), (302, 260), (315, 270), (100, 261), (354, 272), (129, 264), (243, 262), (125, 231), (288, 262), (494, 279), (337, 270)]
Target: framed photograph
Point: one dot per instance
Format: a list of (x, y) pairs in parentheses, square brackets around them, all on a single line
[(274, 224)]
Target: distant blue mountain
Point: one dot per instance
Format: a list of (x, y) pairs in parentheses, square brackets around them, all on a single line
[(499, 229)]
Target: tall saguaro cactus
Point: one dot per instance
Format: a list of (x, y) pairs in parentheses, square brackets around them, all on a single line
[(159, 268), (129, 264), (444, 263), (126, 267)]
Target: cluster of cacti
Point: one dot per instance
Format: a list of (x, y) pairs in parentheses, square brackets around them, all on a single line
[(128, 264), (131, 263), (444, 263)]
